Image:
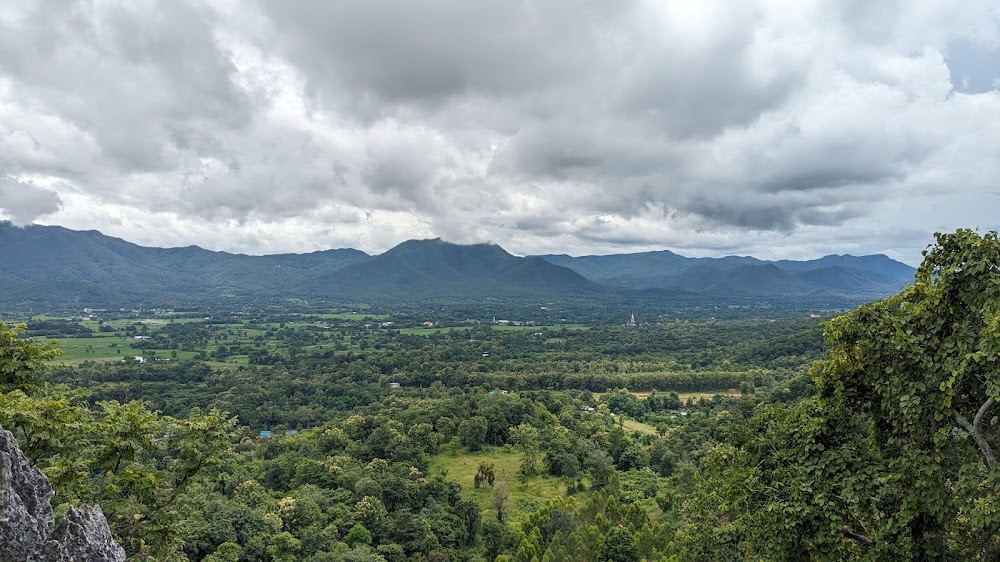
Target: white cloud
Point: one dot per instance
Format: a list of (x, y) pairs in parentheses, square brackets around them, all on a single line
[(782, 130)]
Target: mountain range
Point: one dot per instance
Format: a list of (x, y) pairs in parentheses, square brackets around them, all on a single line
[(58, 266), (864, 275)]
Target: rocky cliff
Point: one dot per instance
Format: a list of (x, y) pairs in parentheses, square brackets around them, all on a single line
[(27, 527)]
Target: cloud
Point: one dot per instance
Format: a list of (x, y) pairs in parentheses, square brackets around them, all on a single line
[(587, 127), (23, 203)]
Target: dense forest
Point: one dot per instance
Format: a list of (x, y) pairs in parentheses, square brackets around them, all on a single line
[(408, 435)]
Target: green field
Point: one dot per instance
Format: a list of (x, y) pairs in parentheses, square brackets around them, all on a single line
[(110, 346), (525, 497)]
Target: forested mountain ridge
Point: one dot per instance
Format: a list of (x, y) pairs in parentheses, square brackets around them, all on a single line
[(871, 275), (58, 265), (55, 265), (428, 268)]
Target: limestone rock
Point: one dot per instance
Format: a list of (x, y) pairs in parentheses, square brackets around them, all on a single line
[(26, 519)]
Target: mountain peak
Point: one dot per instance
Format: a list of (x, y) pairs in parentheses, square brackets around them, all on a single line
[(438, 243)]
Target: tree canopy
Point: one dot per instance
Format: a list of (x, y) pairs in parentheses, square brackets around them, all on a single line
[(894, 457)]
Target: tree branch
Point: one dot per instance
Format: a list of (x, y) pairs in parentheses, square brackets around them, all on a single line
[(977, 422), (867, 542), (975, 430)]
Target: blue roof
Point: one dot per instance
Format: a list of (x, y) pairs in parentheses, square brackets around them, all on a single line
[(265, 433)]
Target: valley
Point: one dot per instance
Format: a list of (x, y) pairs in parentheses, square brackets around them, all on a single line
[(495, 428)]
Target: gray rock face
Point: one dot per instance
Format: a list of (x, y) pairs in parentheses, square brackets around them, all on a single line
[(27, 526)]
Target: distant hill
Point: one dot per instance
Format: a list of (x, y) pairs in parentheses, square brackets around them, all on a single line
[(720, 278), (636, 271), (49, 265), (433, 268), (862, 276)]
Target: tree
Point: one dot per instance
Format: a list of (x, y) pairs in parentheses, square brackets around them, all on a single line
[(358, 535), (499, 500), (525, 436), (895, 457), (925, 367), (21, 359), (619, 546), (472, 432), (132, 461), (227, 552), (601, 468), (485, 473), (284, 547)]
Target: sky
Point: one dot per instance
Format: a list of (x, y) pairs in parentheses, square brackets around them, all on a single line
[(780, 129)]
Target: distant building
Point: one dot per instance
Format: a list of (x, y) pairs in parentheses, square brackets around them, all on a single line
[(394, 385), (139, 359), (632, 323), (265, 433), (142, 338)]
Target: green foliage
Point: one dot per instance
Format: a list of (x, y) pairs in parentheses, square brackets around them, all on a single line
[(526, 437), (472, 432), (485, 473), (227, 552), (619, 546), (358, 534), (47, 423), (128, 459), (389, 460), (284, 547), (21, 360), (894, 458)]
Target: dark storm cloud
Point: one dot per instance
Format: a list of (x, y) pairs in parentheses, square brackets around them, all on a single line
[(436, 50)]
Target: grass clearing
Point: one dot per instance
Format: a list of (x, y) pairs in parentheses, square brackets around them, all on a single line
[(223, 365), (634, 425), (697, 396), (81, 349), (525, 497)]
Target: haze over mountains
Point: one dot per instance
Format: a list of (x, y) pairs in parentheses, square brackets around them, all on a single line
[(50, 264), (872, 275)]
